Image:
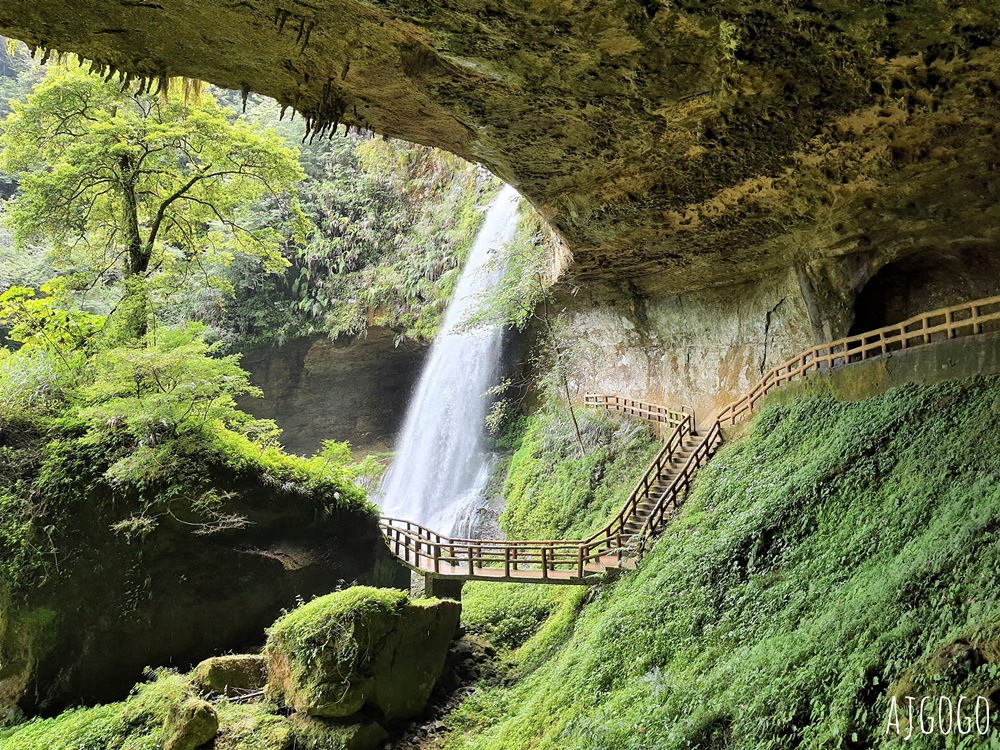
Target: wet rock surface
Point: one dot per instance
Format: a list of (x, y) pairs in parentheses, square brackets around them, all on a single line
[(674, 145), (352, 390)]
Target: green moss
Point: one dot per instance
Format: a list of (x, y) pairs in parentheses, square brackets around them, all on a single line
[(553, 493), (323, 734), (833, 550), (252, 726), (508, 614), (320, 648), (327, 619), (137, 723), (134, 724)]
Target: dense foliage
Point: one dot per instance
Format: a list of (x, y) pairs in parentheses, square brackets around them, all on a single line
[(139, 193), (137, 723), (143, 430), (390, 225), (379, 239), (819, 565)]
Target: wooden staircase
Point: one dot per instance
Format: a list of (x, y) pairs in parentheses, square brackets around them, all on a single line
[(662, 489), (636, 523)]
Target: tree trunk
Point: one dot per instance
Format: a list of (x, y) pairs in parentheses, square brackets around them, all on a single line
[(135, 305), (138, 255), (559, 366)]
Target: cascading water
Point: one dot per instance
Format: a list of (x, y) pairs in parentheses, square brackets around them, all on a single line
[(442, 467)]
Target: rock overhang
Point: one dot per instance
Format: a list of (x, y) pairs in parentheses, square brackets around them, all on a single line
[(676, 145)]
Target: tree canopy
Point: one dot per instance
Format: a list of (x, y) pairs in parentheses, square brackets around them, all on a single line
[(120, 185)]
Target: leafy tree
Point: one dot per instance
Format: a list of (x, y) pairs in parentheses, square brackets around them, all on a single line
[(140, 187), (389, 225)]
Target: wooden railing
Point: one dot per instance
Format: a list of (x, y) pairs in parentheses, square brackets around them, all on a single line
[(635, 408), (558, 560), (569, 561), (971, 318), (613, 531), (429, 551), (675, 495)]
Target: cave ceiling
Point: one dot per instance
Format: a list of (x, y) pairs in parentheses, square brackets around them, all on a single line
[(673, 145)]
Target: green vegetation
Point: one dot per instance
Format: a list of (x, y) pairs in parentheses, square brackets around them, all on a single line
[(819, 564), (134, 724), (139, 193), (137, 723), (138, 431), (390, 225), (553, 493), (342, 629), (374, 235)]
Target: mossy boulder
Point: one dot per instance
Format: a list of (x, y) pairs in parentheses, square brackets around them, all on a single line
[(322, 734), (190, 725), (231, 675), (413, 656), (246, 727), (359, 647)]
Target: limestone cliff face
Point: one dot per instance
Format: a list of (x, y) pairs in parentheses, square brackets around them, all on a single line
[(698, 349), (675, 145), (705, 347), (317, 389)]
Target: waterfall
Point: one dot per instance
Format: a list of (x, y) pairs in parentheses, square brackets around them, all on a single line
[(441, 466)]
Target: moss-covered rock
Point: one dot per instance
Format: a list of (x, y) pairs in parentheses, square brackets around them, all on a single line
[(231, 675), (358, 647), (321, 734), (190, 725), (97, 593), (251, 727), (413, 656)]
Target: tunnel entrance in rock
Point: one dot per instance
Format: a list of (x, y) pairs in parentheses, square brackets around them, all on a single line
[(926, 280)]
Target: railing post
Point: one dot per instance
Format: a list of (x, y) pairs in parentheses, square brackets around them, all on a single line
[(468, 547), (437, 557), (545, 571), (506, 561), (579, 561)]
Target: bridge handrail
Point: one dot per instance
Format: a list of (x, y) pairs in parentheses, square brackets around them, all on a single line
[(642, 489), (950, 321), (636, 408), (675, 494)]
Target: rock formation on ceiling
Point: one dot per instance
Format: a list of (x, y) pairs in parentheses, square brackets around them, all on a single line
[(674, 144)]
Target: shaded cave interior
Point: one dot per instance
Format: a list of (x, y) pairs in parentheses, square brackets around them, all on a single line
[(925, 280)]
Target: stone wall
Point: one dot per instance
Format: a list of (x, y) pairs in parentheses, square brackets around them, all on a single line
[(317, 389)]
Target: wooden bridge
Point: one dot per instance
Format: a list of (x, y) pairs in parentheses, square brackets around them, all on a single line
[(665, 484)]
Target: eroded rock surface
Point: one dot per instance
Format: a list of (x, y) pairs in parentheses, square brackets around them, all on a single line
[(190, 725), (348, 389), (231, 675), (677, 145)]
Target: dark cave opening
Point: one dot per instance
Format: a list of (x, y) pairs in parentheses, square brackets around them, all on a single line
[(926, 280)]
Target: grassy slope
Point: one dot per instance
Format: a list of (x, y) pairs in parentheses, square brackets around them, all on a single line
[(552, 492), (819, 558)]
